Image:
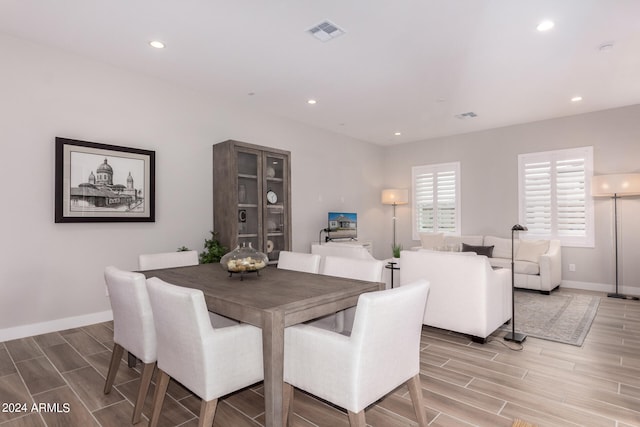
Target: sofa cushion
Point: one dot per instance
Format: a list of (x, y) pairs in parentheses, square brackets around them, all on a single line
[(480, 250), (431, 240), (457, 241), (501, 246), (530, 250), (519, 267)]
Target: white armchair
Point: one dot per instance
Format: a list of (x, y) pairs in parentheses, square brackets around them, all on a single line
[(133, 329), (351, 268), (466, 295), (209, 362), (298, 261), (382, 353)]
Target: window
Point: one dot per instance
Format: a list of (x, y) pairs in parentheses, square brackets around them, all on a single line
[(436, 198), (554, 195)]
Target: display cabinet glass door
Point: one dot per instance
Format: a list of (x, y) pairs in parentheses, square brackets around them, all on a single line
[(276, 194), (249, 215)]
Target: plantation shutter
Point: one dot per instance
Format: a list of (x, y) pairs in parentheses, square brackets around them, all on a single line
[(554, 198), (436, 198)]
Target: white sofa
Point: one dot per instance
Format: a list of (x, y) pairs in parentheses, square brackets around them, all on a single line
[(538, 263), (466, 294)]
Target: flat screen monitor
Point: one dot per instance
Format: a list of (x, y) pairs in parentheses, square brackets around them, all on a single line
[(343, 225)]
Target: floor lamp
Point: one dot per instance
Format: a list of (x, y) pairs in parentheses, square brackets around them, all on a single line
[(616, 186), (395, 196), (513, 335)]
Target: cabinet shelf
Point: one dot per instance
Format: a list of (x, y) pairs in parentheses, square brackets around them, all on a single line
[(247, 176), (247, 205)]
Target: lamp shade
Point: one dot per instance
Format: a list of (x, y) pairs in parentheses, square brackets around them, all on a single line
[(395, 196), (626, 184)]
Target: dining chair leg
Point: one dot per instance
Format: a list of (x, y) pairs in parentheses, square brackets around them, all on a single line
[(116, 355), (357, 420), (287, 400), (143, 388), (415, 391), (207, 413), (162, 383)]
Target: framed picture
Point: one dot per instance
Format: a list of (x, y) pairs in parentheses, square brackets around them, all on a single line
[(103, 183)]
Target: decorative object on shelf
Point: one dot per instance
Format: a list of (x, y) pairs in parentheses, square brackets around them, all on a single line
[(103, 183), (269, 246), (213, 250), (513, 335), (394, 197), (616, 186), (244, 260), (271, 172), (242, 193), (272, 197)]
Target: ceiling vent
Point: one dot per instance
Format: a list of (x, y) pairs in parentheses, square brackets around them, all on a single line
[(325, 31), (464, 116)]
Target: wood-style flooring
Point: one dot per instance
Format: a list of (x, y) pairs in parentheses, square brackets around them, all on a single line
[(464, 383)]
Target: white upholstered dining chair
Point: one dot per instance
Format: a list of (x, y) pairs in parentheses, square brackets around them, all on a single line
[(382, 353), (299, 261), (208, 361), (167, 260), (350, 268), (133, 329)]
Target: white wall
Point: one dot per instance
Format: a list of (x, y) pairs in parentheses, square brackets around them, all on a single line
[(51, 272), (489, 167)]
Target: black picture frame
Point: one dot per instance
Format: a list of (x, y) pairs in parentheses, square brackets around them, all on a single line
[(103, 183)]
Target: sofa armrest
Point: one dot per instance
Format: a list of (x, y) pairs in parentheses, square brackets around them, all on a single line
[(551, 266)]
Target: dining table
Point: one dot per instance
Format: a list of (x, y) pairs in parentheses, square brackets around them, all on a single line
[(271, 299)]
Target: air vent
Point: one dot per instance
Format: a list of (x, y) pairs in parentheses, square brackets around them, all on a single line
[(325, 31), (464, 116)]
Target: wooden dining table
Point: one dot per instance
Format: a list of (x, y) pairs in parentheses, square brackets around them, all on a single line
[(272, 301)]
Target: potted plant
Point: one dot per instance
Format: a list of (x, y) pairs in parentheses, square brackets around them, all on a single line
[(396, 249), (213, 250)]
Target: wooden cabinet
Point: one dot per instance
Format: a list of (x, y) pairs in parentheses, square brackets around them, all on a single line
[(243, 175)]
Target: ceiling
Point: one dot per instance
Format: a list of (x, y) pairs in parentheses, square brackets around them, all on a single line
[(408, 66)]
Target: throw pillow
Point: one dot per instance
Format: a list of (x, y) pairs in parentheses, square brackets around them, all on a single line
[(530, 250), (431, 240), (480, 250)]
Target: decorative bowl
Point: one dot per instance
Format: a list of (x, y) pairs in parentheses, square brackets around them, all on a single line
[(244, 259)]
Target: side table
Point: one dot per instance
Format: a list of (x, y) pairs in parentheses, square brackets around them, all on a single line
[(393, 266)]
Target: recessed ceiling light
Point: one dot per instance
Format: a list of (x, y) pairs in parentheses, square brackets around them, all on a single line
[(398, 133), (311, 101), (545, 26), (576, 99), (157, 44)]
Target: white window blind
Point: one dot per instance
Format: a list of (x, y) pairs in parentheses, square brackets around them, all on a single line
[(554, 193), (436, 198)]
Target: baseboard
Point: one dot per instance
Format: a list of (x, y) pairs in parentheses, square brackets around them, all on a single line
[(598, 287), (23, 331)]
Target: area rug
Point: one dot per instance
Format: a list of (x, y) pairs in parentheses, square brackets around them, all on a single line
[(562, 316)]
